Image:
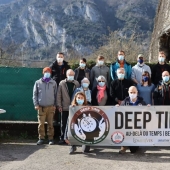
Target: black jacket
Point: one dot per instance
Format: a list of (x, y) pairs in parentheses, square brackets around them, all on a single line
[(157, 71), (139, 102), (86, 72), (159, 94), (57, 73), (119, 89), (94, 95)]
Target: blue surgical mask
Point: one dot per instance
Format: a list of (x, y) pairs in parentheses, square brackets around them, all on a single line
[(140, 61), (120, 76), (70, 78), (100, 62), (145, 78), (80, 101), (101, 84), (82, 65), (85, 85), (121, 57), (166, 78), (47, 75), (161, 59)]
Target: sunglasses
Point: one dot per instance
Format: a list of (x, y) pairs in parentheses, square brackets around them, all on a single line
[(101, 81)]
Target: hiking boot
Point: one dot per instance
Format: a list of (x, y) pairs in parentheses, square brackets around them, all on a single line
[(51, 142), (123, 149), (40, 142), (73, 148)]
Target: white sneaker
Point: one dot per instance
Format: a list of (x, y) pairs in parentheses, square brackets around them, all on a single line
[(2, 111)]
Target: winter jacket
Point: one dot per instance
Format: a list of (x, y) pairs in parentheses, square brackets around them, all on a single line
[(119, 89), (44, 93), (86, 71), (138, 70), (57, 73), (94, 95), (157, 71), (97, 71), (139, 102), (116, 65), (159, 93), (87, 94), (63, 98)]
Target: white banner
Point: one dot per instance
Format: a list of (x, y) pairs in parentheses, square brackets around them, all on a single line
[(120, 126)]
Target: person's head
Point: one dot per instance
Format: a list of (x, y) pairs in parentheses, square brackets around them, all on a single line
[(60, 57), (47, 72), (162, 57), (101, 80), (82, 63), (100, 60), (146, 78), (120, 73), (165, 76), (140, 59), (79, 99), (133, 92), (121, 55), (70, 75), (85, 82)]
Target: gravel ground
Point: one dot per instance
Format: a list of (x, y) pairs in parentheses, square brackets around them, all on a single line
[(27, 155)]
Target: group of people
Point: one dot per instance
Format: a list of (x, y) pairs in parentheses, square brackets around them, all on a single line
[(120, 84)]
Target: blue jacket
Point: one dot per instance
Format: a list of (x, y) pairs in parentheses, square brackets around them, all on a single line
[(116, 65)]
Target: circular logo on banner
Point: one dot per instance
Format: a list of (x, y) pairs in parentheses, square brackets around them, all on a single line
[(90, 125), (117, 137)]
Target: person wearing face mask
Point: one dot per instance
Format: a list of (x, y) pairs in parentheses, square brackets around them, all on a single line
[(99, 69), (146, 88), (100, 94), (79, 100), (138, 69), (85, 89), (82, 71), (44, 99), (119, 87), (132, 100), (159, 68), (162, 91), (64, 96), (120, 63), (59, 68)]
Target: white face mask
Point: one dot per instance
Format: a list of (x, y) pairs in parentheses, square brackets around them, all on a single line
[(133, 96), (60, 60)]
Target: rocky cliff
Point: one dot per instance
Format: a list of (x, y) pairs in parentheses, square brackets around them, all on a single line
[(41, 28)]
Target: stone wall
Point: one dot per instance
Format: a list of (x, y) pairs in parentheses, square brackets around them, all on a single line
[(161, 33)]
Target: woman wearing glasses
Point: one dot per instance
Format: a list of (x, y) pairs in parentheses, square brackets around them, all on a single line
[(100, 93)]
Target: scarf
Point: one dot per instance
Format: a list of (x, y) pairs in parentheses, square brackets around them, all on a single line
[(46, 79), (100, 93)]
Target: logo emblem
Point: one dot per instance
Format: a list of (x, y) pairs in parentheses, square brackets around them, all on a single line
[(90, 125), (117, 137)]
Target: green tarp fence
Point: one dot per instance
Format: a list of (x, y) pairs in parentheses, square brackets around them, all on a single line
[(16, 89)]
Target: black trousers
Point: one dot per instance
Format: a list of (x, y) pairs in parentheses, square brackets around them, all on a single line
[(133, 149), (64, 118)]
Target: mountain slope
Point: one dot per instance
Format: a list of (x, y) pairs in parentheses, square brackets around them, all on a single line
[(44, 27)]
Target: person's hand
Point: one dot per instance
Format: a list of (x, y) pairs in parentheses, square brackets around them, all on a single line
[(117, 105), (148, 105), (67, 141), (37, 107), (60, 109), (54, 108), (73, 105), (119, 102)]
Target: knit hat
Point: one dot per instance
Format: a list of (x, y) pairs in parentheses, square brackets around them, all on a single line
[(47, 69)]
